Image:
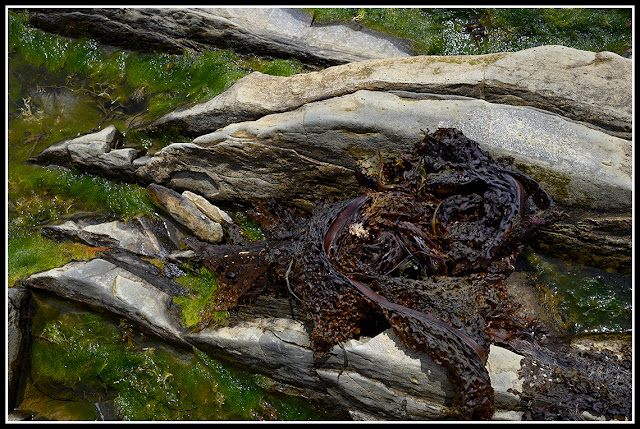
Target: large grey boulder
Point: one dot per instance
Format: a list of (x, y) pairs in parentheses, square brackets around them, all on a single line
[(279, 32), (593, 87)]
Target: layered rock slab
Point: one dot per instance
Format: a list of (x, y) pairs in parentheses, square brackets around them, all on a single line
[(105, 285), (592, 87)]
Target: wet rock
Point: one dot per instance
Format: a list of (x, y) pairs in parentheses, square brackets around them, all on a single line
[(591, 238), (373, 375), (279, 32), (94, 143), (535, 77), (103, 284), (185, 212)]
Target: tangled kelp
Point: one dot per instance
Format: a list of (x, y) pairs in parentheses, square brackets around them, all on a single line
[(427, 246)]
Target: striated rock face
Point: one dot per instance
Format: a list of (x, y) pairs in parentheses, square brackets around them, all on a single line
[(538, 77), (340, 131)]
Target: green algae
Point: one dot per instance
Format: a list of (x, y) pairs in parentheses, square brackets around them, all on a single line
[(30, 253), (441, 31), (203, 285), (249, 227), (584, 299), (281, 67), (83, 357)]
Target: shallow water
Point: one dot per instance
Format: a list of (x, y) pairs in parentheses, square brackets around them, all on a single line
[(87, 366), (584, 300)]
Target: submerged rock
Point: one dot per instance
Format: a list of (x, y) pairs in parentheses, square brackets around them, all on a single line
[(18, 301)]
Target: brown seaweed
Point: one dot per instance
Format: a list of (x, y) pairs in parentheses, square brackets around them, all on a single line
[(427, 246)]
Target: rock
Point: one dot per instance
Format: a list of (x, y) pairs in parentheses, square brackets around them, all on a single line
[(375, 375), (328, 137), (17, 341), (214, 213), (535, 77), (279, 32), (250, 171), (94, 144), (317, 146), (103, 284), (94, 153), (591, 238), (186, 213), (503, 366), (141, 235)]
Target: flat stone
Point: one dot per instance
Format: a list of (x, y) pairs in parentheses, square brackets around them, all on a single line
[(126, 236), (80, 148), (503, 366)]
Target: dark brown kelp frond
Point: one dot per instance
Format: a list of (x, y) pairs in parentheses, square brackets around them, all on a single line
[(427, 246)]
